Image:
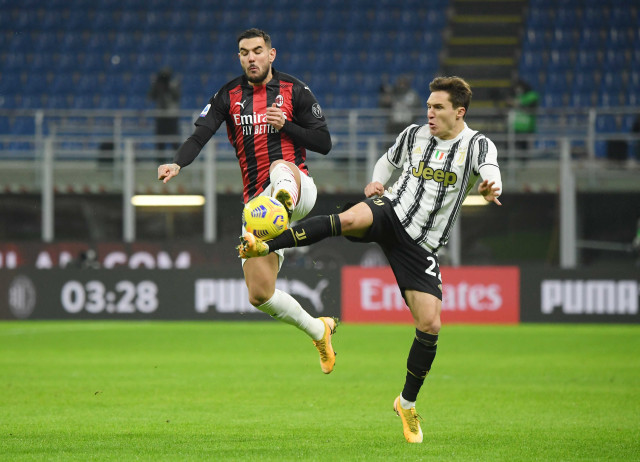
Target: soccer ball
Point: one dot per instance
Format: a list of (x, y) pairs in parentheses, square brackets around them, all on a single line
[(265, 217)]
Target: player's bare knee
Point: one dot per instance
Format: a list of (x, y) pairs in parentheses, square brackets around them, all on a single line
[(430, 325), (259, 296), (281, 161), (347, 220)]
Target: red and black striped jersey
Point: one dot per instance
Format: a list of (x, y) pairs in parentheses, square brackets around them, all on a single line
[(257, 144)]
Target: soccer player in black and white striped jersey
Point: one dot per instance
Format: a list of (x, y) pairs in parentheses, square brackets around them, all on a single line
[(440, 161)]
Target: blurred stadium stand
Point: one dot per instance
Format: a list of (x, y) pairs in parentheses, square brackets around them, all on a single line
[(74, 75), (582, 57), (87, 54), (107, 42)]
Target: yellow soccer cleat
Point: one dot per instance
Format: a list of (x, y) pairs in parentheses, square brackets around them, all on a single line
[(410, 422), (327, 355), (252, 246), (285, 199)]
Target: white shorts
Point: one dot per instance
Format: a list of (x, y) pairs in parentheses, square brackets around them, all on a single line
[(306, 201)]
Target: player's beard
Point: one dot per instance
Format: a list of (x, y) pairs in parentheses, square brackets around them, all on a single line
[(260, 77)]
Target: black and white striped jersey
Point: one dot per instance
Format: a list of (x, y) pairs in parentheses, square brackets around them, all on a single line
[(436, 177)]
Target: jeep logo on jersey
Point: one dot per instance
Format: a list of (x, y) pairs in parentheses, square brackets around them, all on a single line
[(440, 176), (279, 100), (316, 110)]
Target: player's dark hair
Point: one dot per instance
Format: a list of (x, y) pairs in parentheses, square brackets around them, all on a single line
[(458, 89), (252, 33)]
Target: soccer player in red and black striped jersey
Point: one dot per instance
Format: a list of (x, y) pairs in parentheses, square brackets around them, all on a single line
[(272, 118)]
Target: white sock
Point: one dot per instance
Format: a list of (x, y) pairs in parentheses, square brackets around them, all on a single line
[(284, 307), (406, 404), (283, 178)]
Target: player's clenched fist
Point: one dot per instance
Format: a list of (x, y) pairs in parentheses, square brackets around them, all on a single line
[(375, 188), (167, 171)]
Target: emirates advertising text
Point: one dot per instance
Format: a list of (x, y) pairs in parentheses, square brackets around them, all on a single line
[(482, 294)]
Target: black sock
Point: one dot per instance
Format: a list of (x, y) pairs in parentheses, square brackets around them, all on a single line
[(308, 232), (421, 356)]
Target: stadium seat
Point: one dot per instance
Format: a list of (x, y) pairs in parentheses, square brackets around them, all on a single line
[(8, 101), (615, 60), (560, 61), (58, 101), (536, 40), (539, 19), (581, 99), (585, 81), (557, 82), (587, 62), (595, 17), (563, 39)]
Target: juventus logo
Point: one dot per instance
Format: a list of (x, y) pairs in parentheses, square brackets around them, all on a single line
[(378, 202)]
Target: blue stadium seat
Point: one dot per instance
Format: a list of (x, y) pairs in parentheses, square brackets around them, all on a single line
[(10, 82), (611, 99), (557, 82), (560, 61), (179, 20), (606, 123), (36, 84), (585, 82), (76, 20), (612, 81), (83, 101), (539, 19), (591, 39), (552, 99), (563, 39), (587, 61), (594, 17), (533, 60), (108, 101), (131, 21), (619, 38), (58, 101), (8, 101), (615, 60), (14, 62), (5, 127), (566, 18), (623, 17), (581, 99), (536, 40)]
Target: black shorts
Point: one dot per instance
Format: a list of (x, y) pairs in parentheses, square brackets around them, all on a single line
[(414, 267)]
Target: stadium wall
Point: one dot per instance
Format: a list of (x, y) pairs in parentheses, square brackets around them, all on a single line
[(473, 294)]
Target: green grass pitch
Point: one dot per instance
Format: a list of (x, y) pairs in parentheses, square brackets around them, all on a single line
[(254, 391)]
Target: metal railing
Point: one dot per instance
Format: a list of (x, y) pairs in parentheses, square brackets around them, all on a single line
[(66, 149)]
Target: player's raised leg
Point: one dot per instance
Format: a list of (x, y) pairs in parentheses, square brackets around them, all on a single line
[(285, 182)]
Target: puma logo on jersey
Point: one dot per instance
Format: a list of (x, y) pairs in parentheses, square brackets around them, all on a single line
[(440, 176), (241, 104)]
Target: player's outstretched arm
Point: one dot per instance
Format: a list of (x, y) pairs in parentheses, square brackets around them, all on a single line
[(167, 171), (490, 191)]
